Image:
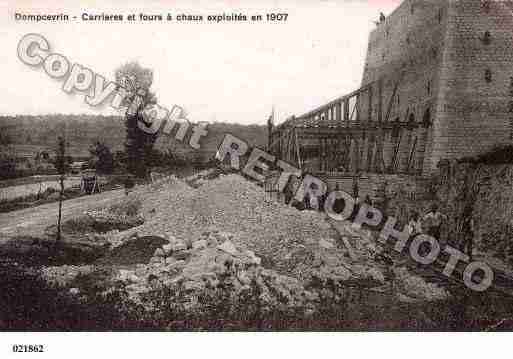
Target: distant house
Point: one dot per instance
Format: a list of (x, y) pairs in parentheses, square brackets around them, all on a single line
[(42, 161), (24, 163), (78, 166)]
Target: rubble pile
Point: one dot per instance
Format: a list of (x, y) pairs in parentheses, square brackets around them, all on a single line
[(282, 236), (412, 288), (64, 275), (212, 264), (220, 250)]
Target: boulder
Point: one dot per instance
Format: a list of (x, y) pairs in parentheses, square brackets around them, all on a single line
[(182, 255), (252, 257), (167, 248), (199, 244), (228, 247), (244, 278), (326, 243), (159, 252), (179, 246), (74, 291), (141, 270), (155, 260)]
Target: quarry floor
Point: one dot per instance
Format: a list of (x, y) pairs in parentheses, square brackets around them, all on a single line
[(374, 308)]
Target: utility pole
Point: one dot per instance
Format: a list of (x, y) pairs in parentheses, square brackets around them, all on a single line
[(61, 168)]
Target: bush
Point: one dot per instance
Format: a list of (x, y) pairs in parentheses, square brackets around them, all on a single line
[(130, 207), (497, 156)]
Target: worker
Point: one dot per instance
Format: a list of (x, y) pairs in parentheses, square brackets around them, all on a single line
[(432, 222), (367, 200), (356, 189), (381, 17), (467, 231), (414, 225), (129, 184)]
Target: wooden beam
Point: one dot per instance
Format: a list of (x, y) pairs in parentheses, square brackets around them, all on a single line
[(370, 105), (346, 110), (411, 157), (395, 158), (380, 100), (299, 161), (391, 102), (370, 152)]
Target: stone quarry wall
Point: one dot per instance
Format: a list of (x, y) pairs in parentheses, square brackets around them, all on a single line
[(455, 74), (489, 189), (408, 42), (472, 113)]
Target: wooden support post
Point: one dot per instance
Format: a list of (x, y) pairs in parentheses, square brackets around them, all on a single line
[(422, 149), (357, 107), (395, 157), (380, 100), (346, 110), (351, 164), (325, 157), (356, 154), (337, 153), (370, 105), (379, 162), (406, 159), (290, 149), (298, 151), (320, 152), (370, 151), (363, 153), (411, 158)]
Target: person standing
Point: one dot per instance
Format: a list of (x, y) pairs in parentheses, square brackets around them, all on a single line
[(414, 225), (432, 222), (129, 184), (367, 200), (467, 231)]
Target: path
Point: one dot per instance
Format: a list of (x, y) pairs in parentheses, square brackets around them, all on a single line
[(33, 221)]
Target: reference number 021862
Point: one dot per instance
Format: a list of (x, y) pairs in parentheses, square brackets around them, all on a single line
[(17, 348)]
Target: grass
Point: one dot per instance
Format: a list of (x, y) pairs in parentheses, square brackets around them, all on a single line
[(8, 205)]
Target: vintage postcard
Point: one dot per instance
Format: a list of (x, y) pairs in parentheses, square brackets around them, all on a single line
[(251, 166)]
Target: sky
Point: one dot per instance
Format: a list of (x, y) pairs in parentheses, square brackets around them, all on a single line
[(227, 72)]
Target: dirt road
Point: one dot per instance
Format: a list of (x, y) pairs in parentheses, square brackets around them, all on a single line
[(32, 221)]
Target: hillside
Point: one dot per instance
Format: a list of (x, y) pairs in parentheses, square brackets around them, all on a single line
[(30, 134)]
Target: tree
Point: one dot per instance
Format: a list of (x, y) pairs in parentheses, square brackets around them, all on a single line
[(136, 80), (7, 161), (62, 165), (102, 158)]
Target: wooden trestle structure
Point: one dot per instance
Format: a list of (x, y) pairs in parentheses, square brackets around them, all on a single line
[(352, 134)]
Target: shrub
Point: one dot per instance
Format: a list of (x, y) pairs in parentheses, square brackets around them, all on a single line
[(129, 207), (498, 155)]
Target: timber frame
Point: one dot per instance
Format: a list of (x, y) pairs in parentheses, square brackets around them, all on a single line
[(352, 134)]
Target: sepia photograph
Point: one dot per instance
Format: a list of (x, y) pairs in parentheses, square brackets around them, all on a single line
[(256, 166)]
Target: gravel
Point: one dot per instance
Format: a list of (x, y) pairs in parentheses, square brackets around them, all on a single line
[(286, 239)]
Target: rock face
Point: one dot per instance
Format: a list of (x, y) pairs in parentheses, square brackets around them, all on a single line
[(489, 190)]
